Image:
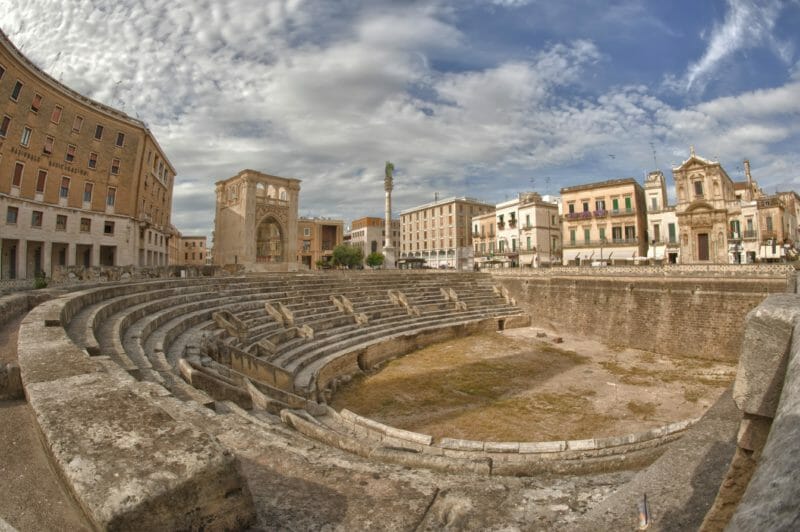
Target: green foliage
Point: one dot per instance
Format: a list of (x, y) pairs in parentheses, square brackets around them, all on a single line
[(347, 256), (39, 280), (375, 259)]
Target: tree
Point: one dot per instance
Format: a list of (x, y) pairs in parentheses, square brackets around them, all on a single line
[(375, 259), (347, 256)]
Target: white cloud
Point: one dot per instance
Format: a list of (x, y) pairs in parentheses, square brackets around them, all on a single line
[(746, 25), (327, 93)]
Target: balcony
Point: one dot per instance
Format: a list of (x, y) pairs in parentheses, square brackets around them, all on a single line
[(615, 242), (501, 225), (585, 215), (623, 212), (512, 223), (527, 227), (749, 235), (734, 235), (769, 235)]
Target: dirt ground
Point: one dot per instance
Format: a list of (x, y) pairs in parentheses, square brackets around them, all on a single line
[(33, 497), (517, 385)]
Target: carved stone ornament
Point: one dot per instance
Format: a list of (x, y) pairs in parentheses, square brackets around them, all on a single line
[(281, 214)]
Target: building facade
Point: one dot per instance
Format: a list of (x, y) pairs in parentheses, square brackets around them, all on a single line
[(662, 222), (528, 233), (256, 221), (316, 238), (369, 234), (439, 232), (604, 222), (81, 183), (192, 251)]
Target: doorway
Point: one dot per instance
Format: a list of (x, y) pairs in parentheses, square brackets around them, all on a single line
[(702, 246)]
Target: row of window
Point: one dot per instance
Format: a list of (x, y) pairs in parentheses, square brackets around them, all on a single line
[(56, 114), (63, 192), (431, 212), (600, 205), (482, 247), (415, 245), (47, 148), (37, 217), (186, 256), (616, 234), (193, 243)]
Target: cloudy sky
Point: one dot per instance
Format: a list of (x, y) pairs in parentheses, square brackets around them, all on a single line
[(483, 98)]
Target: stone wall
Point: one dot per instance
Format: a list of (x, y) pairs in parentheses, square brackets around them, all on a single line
[(767, 391), (697, 315)]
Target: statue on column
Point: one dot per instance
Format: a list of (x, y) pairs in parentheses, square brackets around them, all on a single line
[(388, 247), (388, 171)]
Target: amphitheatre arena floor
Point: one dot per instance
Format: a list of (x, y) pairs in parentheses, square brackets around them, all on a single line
[(515, 386)]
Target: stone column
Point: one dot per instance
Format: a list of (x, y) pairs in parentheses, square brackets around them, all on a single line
[(47, 258), (388, 248), (71, 247), (22, 259)]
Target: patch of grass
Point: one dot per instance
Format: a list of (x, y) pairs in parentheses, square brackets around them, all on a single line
[(642, 409), (692, 394), (647, 357)]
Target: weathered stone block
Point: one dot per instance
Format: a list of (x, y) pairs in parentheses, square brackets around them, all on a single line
[(130, 465), (542, 447), (765, 348), (461, 445), (10, 382), (753, 432)]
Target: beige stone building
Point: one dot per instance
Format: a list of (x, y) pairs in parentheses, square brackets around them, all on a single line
[(81, 183), (316, 238), (705, 198), (662, 221), (192, 251), (439, 232), (484, 237), (604, 222), (256, 221), (528, 233), (369, 234)]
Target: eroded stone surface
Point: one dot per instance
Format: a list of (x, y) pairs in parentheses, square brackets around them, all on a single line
[(130, 465)]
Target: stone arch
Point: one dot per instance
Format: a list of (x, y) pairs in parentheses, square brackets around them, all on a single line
[(270, 240), (261, 190), (271, 192)]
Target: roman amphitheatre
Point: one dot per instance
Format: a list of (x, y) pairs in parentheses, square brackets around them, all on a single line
[(522, 400)]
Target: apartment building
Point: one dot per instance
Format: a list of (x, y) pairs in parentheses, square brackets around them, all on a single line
[(192, 251), (439, 232), (81, 183), (316, 238), (528, 233), (604, 222), (662, 221), (369, 234)]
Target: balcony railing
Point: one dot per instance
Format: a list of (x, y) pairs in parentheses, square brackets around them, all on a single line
[(623, 212), (601, 243), (512, 224), (749, 235)]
